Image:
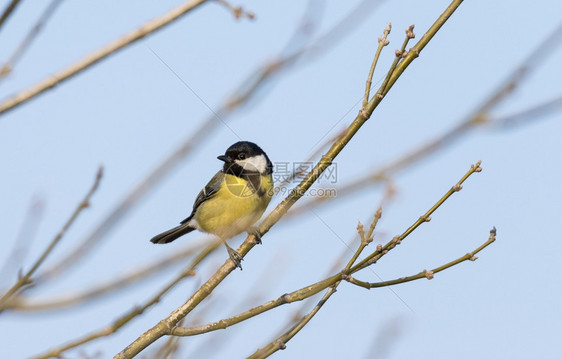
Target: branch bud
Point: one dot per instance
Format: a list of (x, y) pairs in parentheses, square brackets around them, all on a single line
[(428, 274), (360, 230), (410, 32)]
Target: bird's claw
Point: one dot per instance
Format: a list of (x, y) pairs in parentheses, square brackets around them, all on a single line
[(235, 257), (257, 235)]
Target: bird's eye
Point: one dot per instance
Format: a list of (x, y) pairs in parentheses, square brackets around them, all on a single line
[(242, 156)]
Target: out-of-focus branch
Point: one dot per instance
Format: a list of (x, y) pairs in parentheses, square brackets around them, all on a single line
[(23, 241), (527, 115), (425, 273), (8, 66), (237, 11), (135, 311), (98, 55), (66, 301), (533, 61), (7, 12), (26, 279)]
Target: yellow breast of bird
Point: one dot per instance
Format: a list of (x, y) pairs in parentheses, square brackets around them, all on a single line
[(236, 206)]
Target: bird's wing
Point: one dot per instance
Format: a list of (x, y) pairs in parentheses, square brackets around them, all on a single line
[(206, 193)]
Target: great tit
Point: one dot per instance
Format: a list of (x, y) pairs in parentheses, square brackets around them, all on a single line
[(233, 200)]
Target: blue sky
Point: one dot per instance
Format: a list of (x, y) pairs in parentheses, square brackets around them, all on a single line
[(130, 111)]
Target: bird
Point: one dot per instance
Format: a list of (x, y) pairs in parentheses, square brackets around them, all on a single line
[(233, 200)]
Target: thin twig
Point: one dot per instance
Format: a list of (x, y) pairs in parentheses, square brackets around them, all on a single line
[(26, 279), (8, 66), (237, 11), (399, 55), (382, 43), (280, 343), (372, 258), (425, 273), (365, 238)]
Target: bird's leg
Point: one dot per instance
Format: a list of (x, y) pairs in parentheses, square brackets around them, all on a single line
[(234, 256), (256, 232)]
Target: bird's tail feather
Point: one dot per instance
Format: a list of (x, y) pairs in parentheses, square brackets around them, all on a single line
[(172, 234)]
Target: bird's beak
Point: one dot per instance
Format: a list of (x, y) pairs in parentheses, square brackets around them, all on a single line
[(224, 158)]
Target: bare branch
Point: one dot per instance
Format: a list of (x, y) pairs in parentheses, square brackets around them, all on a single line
[(26, 279), (8, 66), (527, 115)]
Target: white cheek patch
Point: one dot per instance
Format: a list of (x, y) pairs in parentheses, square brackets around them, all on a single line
[(253, 164)]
